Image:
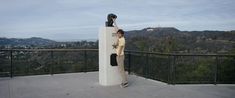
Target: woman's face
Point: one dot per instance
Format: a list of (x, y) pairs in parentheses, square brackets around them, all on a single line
[(119, 35)]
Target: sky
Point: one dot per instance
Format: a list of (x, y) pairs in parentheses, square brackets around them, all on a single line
[(71, 20)]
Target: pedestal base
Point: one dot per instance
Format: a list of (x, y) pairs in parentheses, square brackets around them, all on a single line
[(108, 75)]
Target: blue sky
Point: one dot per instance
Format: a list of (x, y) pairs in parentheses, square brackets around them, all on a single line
[(69, 20)]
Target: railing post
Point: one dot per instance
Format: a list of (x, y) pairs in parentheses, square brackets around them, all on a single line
[(173, 70), (169, 70), (147, 66), (129, 62), (52, 63), (216, 70), (85, 61), (11, 64)]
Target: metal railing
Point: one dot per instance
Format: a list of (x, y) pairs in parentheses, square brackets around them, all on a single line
[(20, 62), (183, 68), (165, 67)]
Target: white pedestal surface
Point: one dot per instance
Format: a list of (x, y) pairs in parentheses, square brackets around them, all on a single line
[(108, 75)]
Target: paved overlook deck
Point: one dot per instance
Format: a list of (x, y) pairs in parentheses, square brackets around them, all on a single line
[(85, 85)]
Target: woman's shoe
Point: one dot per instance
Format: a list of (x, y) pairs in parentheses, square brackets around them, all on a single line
[(123, 85)]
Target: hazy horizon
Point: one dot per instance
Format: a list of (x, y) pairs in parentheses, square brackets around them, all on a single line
[(95, 39), (59, 40), (66, 20)]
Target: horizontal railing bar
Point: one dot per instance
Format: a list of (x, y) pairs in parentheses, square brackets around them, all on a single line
[(177, 54), (49, 50), (4, 72), (128, 51)]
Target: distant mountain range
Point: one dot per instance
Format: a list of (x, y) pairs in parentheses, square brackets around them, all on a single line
[(170, 39), (161, 39), (171, 31), (26, 41)]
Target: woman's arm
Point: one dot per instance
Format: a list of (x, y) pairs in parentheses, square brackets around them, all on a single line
[(120, 50), (116, 29), (115, 24)]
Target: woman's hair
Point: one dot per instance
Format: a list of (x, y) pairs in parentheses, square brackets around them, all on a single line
[(120, 31)]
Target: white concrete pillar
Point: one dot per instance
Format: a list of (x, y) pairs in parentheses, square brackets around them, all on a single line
[(108, 75)]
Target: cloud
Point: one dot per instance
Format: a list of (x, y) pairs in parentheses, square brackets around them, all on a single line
[(56, 19)]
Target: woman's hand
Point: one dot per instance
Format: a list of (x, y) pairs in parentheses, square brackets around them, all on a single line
[(114, 46), (115, 24)]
